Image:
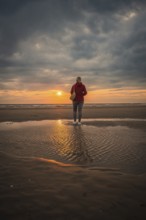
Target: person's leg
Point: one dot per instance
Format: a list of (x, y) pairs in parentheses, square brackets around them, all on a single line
[(75, 111), (80, 107)]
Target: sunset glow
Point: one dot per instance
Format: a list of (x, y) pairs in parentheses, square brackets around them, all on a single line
[(125, 95)]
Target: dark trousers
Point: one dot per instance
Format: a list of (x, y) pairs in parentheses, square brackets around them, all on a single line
[(77, 106)]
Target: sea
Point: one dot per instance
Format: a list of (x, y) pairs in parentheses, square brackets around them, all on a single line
[(86, 105)]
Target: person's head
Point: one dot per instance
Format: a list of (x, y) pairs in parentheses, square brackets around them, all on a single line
[(78, 79)]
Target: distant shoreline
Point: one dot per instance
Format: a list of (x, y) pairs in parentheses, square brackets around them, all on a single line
[(26, 114), (86, 105)]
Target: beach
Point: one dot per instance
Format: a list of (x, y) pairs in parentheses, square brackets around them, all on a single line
[(60, 112), (51, 169)]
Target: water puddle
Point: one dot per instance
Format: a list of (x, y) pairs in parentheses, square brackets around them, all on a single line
[(115, 143)]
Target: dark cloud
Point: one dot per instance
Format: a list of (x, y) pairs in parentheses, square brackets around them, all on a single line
[(105, 6), (8, 7), (30, 18), (50, 41)]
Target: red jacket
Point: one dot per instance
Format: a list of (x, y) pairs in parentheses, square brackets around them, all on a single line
[(80, 91)]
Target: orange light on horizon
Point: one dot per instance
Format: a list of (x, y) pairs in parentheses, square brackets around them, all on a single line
[(59, 96)]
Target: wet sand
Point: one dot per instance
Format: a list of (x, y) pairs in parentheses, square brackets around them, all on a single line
[(32, 189), (53, 170), (112, 143)]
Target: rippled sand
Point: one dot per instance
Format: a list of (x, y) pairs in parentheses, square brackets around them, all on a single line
[(54, 170), (118, 143)]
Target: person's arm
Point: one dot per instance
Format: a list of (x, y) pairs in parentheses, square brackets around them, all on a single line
[(84, 91)]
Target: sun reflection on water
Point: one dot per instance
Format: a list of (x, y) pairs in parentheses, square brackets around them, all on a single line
[(71, 143)]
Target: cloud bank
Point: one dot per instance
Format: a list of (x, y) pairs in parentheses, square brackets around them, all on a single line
[(46, 44)]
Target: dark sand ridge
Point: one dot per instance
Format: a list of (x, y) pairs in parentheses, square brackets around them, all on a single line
[(32, 189), (66, 113)]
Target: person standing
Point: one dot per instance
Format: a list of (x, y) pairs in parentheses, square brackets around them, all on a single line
[(80, 91)]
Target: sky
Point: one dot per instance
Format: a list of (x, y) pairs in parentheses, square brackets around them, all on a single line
[(46, 44)]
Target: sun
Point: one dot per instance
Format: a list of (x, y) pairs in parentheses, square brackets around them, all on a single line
[(59, 93)]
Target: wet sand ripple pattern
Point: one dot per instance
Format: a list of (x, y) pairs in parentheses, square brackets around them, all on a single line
[(120, 147)]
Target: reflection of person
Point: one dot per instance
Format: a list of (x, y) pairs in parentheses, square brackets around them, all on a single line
[(79, 146), (80, 91)]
